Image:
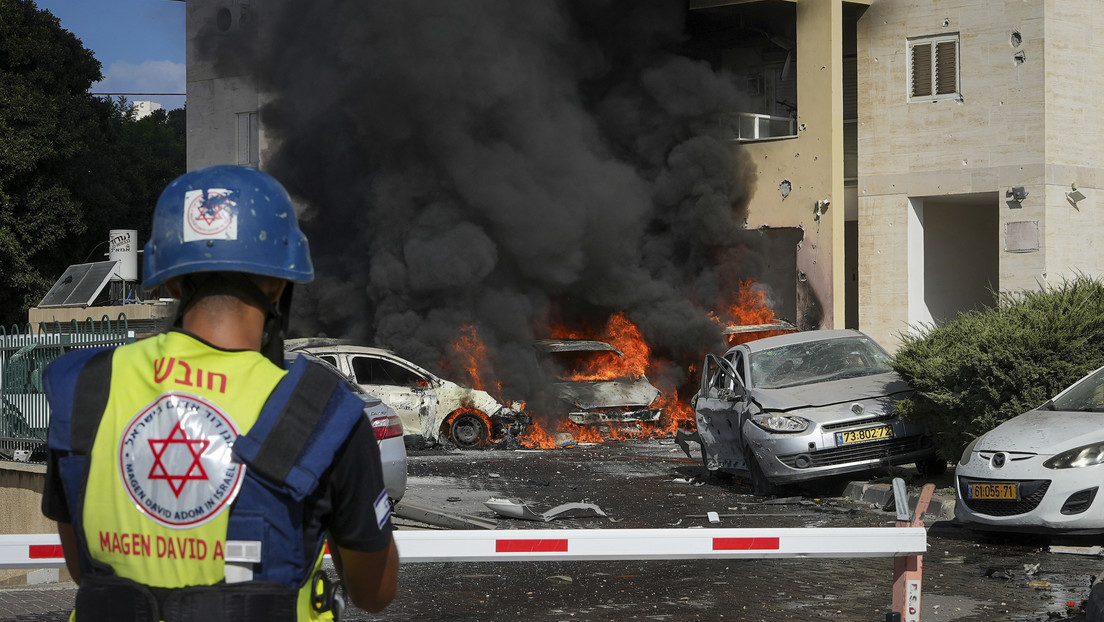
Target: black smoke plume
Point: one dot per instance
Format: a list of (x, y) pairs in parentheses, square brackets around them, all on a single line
[(504, 164)]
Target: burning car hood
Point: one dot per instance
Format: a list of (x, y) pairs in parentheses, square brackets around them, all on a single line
[(608, 393), (1044, 432), (832, 392)]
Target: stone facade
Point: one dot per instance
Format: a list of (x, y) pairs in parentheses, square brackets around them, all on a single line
[(1024, 118)]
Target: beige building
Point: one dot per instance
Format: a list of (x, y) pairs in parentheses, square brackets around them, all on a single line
[(979, 154), (797, 62), (928, 153), (797, 58)]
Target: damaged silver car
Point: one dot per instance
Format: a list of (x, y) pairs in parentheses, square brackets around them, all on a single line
[(588, 395), (432, 409), (806, 405)]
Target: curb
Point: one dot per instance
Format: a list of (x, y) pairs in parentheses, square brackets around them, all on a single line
[(940, 508)]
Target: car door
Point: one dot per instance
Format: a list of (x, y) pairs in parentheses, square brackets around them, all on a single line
[(409, 393), (718, 409)]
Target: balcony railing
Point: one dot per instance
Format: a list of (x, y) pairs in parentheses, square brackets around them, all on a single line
[(751, 127)]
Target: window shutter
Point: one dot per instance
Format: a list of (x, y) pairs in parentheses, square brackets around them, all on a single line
[(921, 70), (946, 65)]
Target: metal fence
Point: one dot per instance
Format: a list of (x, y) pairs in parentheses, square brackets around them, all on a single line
[(24, 355)]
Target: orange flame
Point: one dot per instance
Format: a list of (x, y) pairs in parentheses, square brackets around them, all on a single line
[(472, 353), (748, 307)]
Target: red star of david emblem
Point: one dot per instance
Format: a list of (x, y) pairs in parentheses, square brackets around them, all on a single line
[(195, 468), (210, 210)]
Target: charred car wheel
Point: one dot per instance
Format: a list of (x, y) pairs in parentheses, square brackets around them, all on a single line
[(469, 431), (760, 485)]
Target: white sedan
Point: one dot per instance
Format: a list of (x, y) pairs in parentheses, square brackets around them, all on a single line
[(432, 409), (1040, 471)]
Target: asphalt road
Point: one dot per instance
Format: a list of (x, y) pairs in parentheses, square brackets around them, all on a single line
[(651, 484)]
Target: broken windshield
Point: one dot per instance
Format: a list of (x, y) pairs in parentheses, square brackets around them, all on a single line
[(818, 361)]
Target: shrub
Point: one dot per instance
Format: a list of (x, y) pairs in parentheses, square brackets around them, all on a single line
[(985, 367)]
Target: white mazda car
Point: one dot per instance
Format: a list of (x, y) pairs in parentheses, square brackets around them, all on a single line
[(1040, 471)]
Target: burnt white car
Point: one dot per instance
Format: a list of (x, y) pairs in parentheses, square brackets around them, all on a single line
[(1040, 471), (388, 430), (432, 409), (587, 401), (806, 405)]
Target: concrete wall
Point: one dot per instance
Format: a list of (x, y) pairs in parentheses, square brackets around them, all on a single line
[(812, 163), (21, 499), (1028, 116), (214, 102), (884, 266), (1074, 138), (21, 512)]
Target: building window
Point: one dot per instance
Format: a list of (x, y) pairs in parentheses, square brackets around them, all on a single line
[(933, 68), (248, 139)]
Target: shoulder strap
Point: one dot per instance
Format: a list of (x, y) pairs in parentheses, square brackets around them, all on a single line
[(77, 387), (93, 389), (306, 419)]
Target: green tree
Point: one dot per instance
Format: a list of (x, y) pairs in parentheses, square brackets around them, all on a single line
[(985, 367), (72, 166)]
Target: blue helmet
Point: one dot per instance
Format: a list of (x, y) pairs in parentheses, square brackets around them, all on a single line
[(226, 219)]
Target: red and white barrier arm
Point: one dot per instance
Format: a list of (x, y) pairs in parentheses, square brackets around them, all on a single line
[(44, 550)]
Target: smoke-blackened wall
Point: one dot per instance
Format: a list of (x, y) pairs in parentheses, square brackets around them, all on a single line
[(499, 163)]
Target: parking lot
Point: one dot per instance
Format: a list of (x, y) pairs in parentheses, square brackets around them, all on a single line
[(652, 484)]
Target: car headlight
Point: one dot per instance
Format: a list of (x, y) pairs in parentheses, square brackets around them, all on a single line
[(969, 451), (1089, 455), (775, 422)]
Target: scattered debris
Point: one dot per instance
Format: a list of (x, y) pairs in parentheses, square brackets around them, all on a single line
[(516, 509), (1078, 550), (996, 573), (1040, 585), (1030, 569), (437, 518), (683, 439), (560, 578), (786, 501), (713, 517)]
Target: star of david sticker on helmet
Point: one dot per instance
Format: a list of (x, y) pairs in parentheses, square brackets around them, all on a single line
[(195, 469), (210, 214), (210, 209)]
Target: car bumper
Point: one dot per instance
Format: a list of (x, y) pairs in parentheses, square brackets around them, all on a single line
[(1050, 500), (393, 461), (593, 417), (791, 458)]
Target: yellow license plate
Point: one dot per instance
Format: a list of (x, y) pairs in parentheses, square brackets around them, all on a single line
[(864, 435), (994, 490)]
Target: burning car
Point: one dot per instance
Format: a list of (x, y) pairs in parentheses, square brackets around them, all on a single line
[(805, 405), (432, 409), (592, 385)]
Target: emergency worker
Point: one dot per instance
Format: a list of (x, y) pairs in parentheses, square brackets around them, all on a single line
[(192, 477)]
